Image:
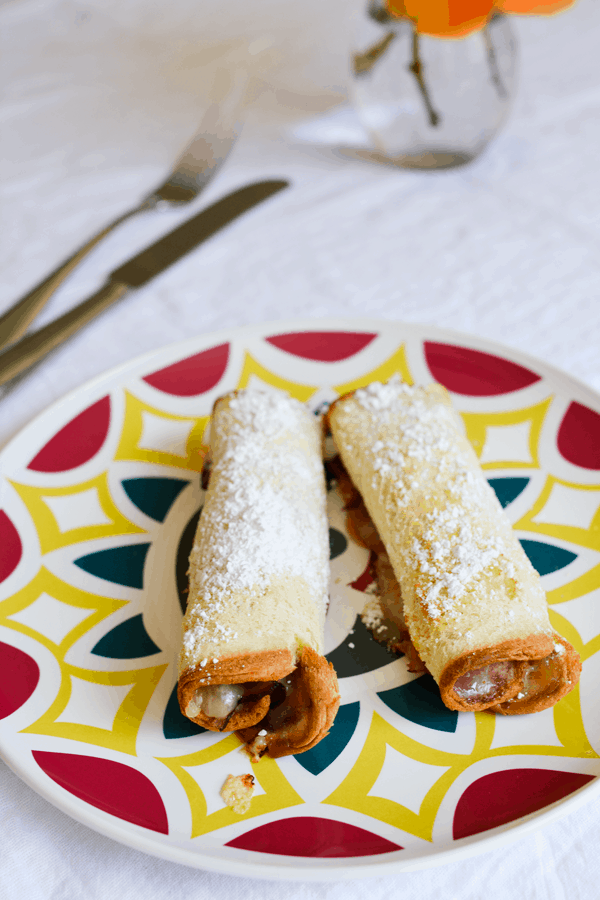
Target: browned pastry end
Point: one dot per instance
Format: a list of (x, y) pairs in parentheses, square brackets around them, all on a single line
[(546, 683), (304, 715), (258, 672), (514, 654)]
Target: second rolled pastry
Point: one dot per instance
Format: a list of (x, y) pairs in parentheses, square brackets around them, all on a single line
[(474, 605), (259, 573)]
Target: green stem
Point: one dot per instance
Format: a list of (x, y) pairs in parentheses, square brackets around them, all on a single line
[(364, 62), (416, 67), (493, 64)]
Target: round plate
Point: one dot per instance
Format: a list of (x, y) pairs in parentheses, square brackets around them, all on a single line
[(100, 496)]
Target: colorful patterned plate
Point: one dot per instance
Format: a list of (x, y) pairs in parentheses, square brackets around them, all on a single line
[(98, 504)]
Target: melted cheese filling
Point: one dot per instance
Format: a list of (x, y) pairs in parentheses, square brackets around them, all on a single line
[(487, 682), (215, 700)]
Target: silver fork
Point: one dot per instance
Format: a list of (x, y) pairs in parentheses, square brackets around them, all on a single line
[(196, 166)]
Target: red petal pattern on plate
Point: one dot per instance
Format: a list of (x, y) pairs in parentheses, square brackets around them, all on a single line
[(110, 786), (11, 548), (366, 578), (309, 836), (579, 436), (474, 373), (505, 796), (20, 675), (76, 442), (322, 346), (194, 375)]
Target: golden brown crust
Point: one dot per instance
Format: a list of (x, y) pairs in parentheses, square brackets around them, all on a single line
[(259, 666), (256, 665), (345, 485), (358, 521), (332, 406), (312, 706), (565, 672), (389, 594), (520, 651)]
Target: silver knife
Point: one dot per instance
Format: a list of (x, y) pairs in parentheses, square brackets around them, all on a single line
[(135, 273)]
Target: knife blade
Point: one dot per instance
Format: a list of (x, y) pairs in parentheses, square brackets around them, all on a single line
[(135, 273)]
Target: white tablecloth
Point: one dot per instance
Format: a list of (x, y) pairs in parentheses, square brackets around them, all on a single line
[(99, 96)]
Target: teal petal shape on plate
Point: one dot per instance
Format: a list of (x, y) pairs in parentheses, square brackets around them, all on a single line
[(419, 701), (318, 758), (359, 652), (337, 543), (128, 640), (154, 496), (547, 558), (508, 489), (175, 724), (121, 565), (182, 561)]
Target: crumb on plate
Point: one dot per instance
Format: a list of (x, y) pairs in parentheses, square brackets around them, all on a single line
[(237, 792)]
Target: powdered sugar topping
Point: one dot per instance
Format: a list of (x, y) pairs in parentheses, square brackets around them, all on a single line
[(426, 474), (265, 511)]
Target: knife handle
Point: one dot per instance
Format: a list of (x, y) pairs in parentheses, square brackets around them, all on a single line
[(15, 322), (37, 345)]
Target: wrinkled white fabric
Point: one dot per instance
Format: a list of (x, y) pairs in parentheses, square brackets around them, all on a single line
[(98, 98)]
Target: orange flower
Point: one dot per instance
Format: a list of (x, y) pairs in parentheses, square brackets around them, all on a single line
[(456, 18)]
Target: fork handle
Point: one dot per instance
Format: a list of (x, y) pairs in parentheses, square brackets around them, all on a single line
[(35, 346), (14, 323)]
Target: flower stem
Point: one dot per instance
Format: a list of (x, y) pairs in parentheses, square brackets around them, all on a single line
[(416, 67), (493, 63), (364, 62)]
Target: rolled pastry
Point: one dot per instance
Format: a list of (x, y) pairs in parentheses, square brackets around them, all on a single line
[(252, 641), (474, 605)]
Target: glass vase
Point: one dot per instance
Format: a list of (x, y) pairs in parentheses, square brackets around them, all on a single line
[(431, 102)]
